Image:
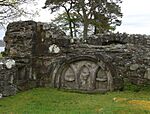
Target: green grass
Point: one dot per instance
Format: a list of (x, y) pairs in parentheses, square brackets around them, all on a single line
[(53, 101)]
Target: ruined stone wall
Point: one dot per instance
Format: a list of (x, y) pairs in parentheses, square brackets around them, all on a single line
[(20, 45), (45, 56), (7, 77)]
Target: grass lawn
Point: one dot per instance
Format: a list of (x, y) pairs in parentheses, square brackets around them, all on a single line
[(53, 101)]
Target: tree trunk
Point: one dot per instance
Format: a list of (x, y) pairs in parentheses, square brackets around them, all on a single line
[(85, 31), (95, 30), (75, 32), (70, 24), (85, 20), (95, 27), (70, 27), (69, 21)]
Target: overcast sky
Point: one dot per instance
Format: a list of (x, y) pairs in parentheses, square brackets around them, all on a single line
[(136, 17)]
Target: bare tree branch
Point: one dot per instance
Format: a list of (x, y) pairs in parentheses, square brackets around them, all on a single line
[(11, 10)]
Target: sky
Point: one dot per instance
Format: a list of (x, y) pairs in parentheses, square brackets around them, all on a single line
[(136, 16), (136, 19)]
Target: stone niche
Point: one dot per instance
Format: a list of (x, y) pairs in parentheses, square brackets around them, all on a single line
[(46, 57)]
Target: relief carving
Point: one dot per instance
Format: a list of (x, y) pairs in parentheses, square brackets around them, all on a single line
[(85, 75), (69, 75), (101, 76)]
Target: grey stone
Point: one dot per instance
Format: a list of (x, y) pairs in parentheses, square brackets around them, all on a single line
[(10, 63), (134, 67), (1, 95), (7, 75), (147, 74), (9, 91), (54, 49)]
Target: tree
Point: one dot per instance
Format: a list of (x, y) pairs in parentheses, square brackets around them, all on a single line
[(62, 21), (11, 9), (101, 14), (55, 5)]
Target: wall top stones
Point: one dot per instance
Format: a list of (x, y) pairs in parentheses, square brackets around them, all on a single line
[(122, 38), (30, 38)]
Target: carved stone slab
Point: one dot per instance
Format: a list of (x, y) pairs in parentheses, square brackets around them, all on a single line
[(85, 75)]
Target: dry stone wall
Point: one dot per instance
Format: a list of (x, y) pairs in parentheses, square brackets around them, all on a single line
[(46, 57)]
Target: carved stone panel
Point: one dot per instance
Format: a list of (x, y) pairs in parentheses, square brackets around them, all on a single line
[(69, 75), (101, 79), (85, 75), (68, 78)]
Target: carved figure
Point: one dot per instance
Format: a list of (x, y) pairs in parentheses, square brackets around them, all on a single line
[(84, 77)]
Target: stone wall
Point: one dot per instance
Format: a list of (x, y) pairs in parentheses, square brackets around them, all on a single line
[(46, 57), (7, 77)]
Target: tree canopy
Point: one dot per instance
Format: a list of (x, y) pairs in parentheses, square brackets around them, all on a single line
[(73, 27), (11, 9), (93, 15)]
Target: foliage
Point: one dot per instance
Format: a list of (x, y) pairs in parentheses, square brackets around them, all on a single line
[(12, 9), (136, 88), (3, 54), (0, 55), (62, 22), (102, 15), (52, 101), (67, 5)]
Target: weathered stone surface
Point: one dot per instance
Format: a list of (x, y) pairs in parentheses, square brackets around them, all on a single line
[(134, 67), (20, 39), (54, 49), (7, 78), (45, 56), (147, 74)]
